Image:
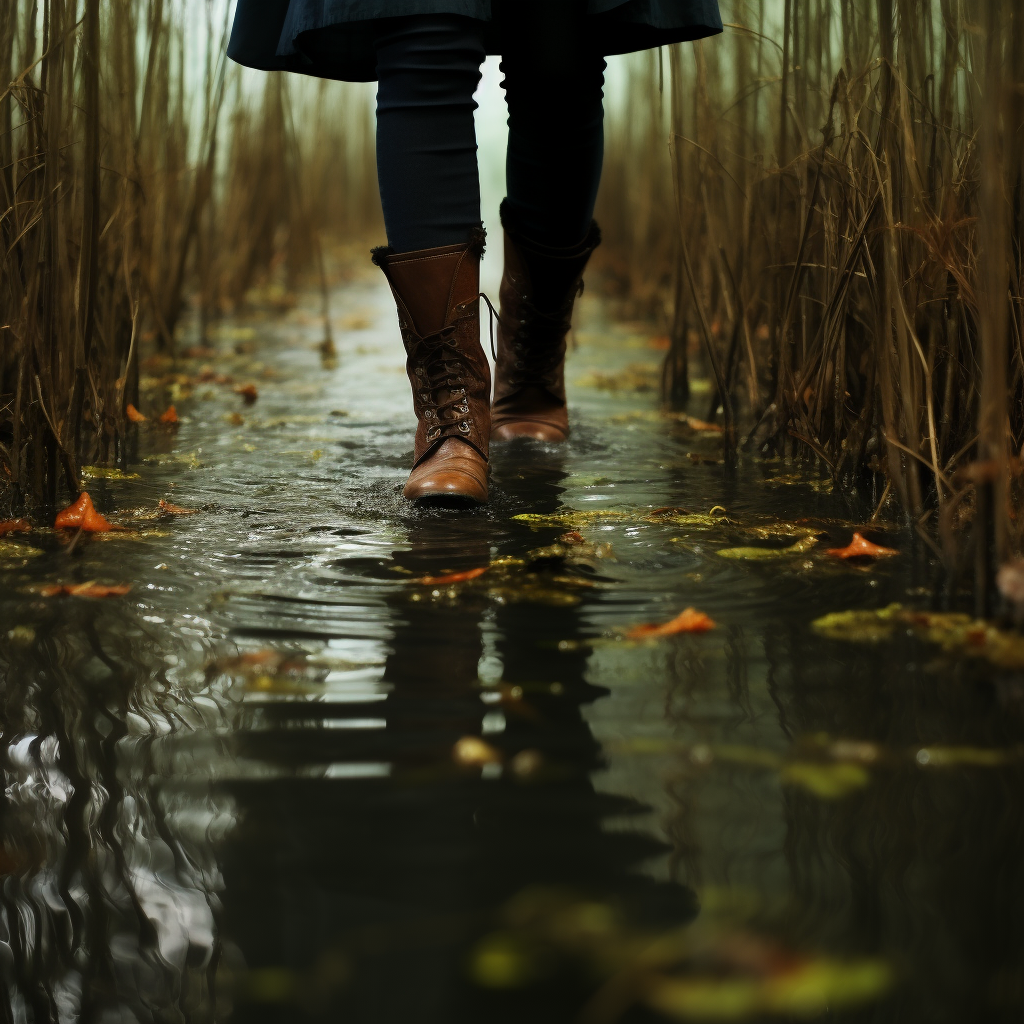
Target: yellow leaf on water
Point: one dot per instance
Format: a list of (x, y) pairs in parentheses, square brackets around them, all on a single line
[(826, 985), (757, 554), (828, 781)]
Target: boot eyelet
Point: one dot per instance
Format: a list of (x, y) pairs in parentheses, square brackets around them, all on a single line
[(519, 364), (434, 434), (464, 427), (428, 414)]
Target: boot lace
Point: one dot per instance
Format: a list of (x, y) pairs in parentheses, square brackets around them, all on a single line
[(536, 345), (439, 367)]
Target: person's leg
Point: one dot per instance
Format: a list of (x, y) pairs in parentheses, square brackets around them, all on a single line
[(428, 69), (554, 86)]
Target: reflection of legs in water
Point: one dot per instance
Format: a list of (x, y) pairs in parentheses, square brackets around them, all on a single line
[(392, 882)]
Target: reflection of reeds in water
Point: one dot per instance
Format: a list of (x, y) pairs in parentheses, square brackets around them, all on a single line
[(130, 179), (846, 184)]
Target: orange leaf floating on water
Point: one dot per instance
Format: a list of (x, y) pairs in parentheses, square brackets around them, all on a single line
[(134, 415), (248, 392), (861, 548), (170, 416), (82, 515), (687, 621), (15, 526), (572, 537), (176, 510), (85, 590), (455, 577)]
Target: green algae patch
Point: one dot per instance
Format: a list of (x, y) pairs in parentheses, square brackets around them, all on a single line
[(805, 989), (956, 634), (108, 473)]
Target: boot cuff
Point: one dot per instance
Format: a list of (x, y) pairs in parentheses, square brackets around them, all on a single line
[(477, 242), (591, 240)]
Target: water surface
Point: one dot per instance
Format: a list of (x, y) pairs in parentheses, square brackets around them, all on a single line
[(248, 790)]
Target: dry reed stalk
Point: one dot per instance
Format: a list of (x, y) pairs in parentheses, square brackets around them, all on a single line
[(118, 204), (860, 244)]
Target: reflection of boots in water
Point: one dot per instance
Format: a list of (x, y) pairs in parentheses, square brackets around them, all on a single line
[(538, 291), (437, 292)]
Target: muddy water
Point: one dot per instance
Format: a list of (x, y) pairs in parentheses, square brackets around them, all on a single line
[(284, 779)]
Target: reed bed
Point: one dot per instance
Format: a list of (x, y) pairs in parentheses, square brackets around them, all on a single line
[(844, 246), (136, 188)]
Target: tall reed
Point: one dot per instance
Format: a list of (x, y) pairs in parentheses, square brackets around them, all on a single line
[(132, 184), (846, 227)]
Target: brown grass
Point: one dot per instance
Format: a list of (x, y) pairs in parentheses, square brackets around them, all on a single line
[(134, 187), (846, 185)]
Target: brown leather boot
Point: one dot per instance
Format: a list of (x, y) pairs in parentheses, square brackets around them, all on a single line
[(538, 291), (437, 292)]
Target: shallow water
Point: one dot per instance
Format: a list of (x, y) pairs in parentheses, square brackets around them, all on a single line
[(237, 791)]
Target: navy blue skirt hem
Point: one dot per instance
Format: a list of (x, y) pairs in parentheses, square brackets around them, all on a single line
[(336, 38)]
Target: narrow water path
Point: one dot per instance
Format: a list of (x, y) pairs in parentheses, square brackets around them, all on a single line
[(312, 767)]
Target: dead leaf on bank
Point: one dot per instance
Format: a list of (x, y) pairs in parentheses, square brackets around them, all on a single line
[(687, 621), (91, 589), (170, 416), (176, 510), (83, 515), (455, 577), (248, 392), (859, 547), (15, 526), (133, 414)]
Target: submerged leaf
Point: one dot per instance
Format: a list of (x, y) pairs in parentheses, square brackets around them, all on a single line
[(248, 392), (828, 781), (15, 526), (133, 414), (974, 757), (687, 621), (864, 626), (82, 515), (169, 416), (90, 589), (455, 577), (176, 510), (859, 547)]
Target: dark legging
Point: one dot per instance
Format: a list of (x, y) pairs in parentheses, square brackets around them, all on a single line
[(429, 68)]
